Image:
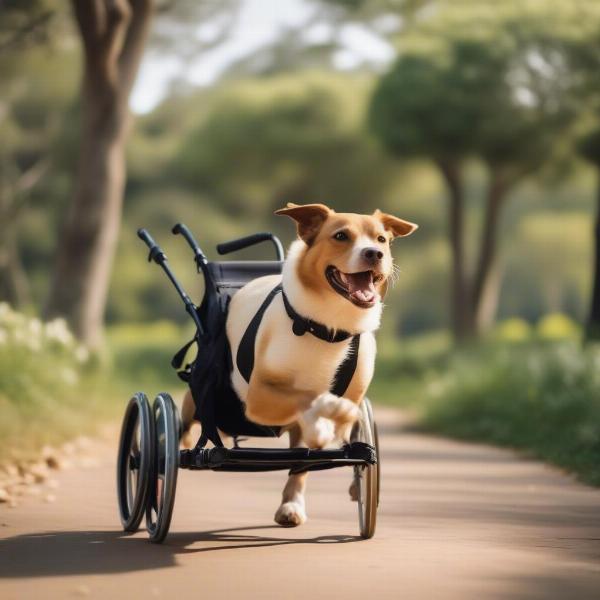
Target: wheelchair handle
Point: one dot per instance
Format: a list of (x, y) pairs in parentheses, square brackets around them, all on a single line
[(160, 258), (251, 240), (156, 254), (199, 256)]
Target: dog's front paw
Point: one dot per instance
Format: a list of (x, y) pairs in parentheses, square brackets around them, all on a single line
[(290, 514), (317, 432)]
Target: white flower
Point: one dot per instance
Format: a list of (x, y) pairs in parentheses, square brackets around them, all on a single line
[(20, 337), (81, 354), (5, 310), (35, 327), (33, 343), (69, 376), (57, 331)]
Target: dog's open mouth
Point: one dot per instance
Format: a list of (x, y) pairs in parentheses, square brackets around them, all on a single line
[(359, 288)]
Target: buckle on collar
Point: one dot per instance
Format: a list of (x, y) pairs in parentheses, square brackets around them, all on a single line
[(299, 327)]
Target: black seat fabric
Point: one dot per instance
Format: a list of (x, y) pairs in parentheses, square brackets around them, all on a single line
[(235, 274), (208, 375)]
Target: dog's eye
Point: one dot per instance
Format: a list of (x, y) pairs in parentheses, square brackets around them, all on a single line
[(340, 236), (381, 239)]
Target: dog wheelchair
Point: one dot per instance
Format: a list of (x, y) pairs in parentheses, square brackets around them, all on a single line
[(149, 455)]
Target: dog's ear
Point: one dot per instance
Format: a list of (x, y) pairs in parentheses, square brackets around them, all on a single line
[(309, 218), (398, 227)]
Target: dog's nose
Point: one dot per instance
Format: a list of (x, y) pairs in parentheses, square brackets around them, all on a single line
[(372, 255)]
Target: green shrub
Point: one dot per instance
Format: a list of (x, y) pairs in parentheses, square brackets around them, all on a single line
[(514, 329), (557, 326), (141, 354), (43, 372), (541, 398)]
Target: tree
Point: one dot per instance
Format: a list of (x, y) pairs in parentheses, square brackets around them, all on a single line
[(589, 148), (406, 113), (113, 34), (499, 100), (283, 139), (27, 31)]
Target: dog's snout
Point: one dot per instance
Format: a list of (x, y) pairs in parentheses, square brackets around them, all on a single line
[(372, 255)]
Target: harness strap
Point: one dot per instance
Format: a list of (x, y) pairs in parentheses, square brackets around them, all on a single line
[(245, 353), (301, 325), (345, 371), (177, 360)]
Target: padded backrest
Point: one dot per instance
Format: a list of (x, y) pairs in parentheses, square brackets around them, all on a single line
[(231, 275)]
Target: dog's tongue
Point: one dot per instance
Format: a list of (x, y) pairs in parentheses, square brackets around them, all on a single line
[(360, 285)]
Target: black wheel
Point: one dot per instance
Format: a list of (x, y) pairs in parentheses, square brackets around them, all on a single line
[(366, 478), (164, 472), (134, 461)]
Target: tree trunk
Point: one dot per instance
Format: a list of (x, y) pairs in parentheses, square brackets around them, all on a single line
[(460, 300), (593, 324), (81, 275), (486, 283), (14, 285), (113, 35)]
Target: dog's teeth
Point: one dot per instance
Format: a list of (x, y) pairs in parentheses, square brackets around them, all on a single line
[(343, 277)]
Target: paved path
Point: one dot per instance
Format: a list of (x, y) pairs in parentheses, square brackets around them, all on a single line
[(456, 521)]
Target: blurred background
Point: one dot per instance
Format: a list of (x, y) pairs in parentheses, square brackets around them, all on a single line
[(480, 121)]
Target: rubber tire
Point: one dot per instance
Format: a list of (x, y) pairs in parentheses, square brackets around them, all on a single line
[(132, 504), (165, 468), (367, 477)]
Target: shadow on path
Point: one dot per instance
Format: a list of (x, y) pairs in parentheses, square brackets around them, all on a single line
[(62, 553)]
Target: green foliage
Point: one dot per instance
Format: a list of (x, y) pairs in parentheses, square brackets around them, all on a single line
[(221, 159), (513, 330), (536, 393), (51, 388), (291, 139), (541, 399), (142, 353), (501, 97), (589, 147), (43, 379), (557, 326)]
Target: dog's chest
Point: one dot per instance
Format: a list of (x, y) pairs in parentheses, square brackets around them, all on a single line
[(309, 362)]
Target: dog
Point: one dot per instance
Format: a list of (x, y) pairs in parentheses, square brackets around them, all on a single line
[(327, 299)]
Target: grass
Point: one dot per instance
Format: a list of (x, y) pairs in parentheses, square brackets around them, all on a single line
[(52, 389), (540, 397)]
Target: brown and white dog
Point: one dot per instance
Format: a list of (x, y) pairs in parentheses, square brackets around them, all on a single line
[(336, 273)]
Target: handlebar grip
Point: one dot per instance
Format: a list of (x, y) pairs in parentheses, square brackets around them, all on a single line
[(146, 238), (156, 253), (180, 228), (239, 244)]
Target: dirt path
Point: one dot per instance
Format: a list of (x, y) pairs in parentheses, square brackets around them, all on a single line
[(456, 521)]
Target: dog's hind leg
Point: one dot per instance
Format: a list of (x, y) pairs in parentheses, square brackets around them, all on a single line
[(292, 511), (187, 420)]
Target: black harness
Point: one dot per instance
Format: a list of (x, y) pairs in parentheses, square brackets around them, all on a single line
[(209, 374), (300, 326)]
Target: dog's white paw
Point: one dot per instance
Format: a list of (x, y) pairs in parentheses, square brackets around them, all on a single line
[(343, 432), (340, 409), (290, 514), (317, 432)]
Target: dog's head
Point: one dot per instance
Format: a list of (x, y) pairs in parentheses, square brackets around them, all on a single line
[(346, 253)]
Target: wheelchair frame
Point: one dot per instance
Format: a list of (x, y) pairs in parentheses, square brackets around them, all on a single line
[(149, 454)]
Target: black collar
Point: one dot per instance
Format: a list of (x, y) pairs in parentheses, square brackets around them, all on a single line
[(301, 325)]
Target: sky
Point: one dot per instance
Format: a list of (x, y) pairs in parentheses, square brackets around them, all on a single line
[(259, 23)]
